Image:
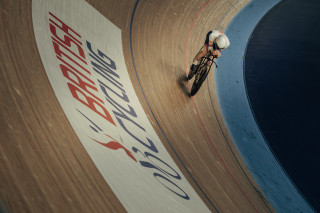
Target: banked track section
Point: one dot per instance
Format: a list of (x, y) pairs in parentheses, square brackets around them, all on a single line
[(45, 166)]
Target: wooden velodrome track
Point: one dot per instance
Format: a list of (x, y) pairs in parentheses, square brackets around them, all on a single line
[(44, 167)]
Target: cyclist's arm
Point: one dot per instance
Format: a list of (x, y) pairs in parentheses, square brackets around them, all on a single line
[(216, 53)]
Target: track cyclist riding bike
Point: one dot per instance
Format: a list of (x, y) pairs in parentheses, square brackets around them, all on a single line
[(215, 42)]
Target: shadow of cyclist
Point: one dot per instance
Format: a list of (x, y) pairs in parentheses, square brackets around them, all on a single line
[(183, 83)]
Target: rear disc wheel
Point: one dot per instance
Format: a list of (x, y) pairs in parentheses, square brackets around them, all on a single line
[(200, 78)]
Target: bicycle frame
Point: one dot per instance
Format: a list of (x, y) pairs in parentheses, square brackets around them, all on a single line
[(202, 71), (208, 58)]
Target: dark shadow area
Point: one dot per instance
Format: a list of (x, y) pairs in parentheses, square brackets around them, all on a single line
[(183, 83), (282, 73)]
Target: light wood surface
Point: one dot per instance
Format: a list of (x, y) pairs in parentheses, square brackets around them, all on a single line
[(44, 167)]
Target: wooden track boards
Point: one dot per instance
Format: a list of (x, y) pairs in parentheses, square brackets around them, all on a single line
[(43, 166)]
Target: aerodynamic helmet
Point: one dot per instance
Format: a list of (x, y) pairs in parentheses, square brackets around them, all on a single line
[(222, 41)]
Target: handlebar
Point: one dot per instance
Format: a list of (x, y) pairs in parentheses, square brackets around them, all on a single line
[(209, 59)]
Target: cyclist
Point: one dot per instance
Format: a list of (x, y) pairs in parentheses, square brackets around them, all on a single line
[(215, 42)]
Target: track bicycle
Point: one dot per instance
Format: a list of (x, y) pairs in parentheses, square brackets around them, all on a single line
[(201, 72)]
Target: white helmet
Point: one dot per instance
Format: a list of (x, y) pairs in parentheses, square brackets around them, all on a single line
[(222, 41)]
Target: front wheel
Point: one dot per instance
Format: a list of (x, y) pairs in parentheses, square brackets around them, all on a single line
[(199, 79)]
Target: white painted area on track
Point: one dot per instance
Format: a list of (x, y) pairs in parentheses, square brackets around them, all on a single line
[(241, 124), (82, 54)]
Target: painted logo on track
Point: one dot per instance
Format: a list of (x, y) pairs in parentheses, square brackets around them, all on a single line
[(81, 52), (70, 48)]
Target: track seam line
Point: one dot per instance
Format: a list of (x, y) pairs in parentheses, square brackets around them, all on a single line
[(223, 133), (227, 142), (134, 67), (214, 147)]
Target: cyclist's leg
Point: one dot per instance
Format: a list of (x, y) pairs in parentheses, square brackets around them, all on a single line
[(204, 50), (202, 53), (196, 61)]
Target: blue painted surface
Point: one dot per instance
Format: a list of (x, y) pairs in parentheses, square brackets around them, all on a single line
[(281, 75), (236, 111)]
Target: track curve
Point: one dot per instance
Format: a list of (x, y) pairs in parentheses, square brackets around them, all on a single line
[(45, 166)]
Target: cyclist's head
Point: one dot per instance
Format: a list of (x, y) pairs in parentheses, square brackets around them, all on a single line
[(222, 42)]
